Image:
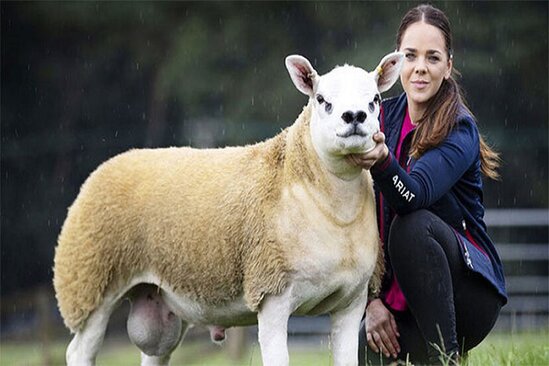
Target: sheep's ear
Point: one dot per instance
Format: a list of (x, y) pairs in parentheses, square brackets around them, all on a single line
[(388, 70), (302, 73)]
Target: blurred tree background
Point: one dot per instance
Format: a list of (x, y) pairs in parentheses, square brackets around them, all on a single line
[(83, 81)]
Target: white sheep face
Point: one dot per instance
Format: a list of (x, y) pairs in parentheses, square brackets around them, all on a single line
[(346, 103)]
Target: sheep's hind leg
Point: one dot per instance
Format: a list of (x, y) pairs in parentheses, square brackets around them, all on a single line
[(152, 326), (85, 345)]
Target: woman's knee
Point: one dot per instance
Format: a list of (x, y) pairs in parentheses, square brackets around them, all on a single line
[(407, 229), (413, 221)]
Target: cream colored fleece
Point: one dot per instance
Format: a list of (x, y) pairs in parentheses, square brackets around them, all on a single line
[(199, 219)]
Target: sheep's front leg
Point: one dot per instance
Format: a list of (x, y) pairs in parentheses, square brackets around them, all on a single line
[(272, 322), (344, 334)]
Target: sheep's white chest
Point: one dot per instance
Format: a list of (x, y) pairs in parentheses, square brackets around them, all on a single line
[(332, 254)]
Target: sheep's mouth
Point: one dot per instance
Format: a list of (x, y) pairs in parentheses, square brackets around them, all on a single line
[(353, 130)]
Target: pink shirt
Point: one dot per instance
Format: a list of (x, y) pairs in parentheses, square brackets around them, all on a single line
[(407, 126), (395, 298)]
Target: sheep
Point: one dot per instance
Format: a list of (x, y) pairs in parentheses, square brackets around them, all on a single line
[(232, 236)]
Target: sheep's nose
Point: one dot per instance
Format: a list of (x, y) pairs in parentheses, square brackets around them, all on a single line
[(350, 117)]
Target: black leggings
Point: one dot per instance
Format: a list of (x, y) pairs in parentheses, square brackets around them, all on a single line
[(445, 300)]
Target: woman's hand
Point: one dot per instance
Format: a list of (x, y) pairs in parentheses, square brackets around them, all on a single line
[(381, 329), (377, 154)]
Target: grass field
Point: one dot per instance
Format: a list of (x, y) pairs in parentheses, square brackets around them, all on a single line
[(527, 349)]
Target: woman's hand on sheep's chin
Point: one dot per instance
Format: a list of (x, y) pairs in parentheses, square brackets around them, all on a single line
[(378, 154), (381, 332)]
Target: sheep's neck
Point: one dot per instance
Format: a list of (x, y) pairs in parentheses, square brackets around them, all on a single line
[(337, 206), (339, 194), (339, 167)]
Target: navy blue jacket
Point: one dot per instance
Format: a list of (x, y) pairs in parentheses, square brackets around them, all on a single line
[(445, 180)]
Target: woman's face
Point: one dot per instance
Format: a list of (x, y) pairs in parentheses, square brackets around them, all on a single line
[(426, 63)]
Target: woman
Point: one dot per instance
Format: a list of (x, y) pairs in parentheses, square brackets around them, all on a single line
[(444, 286)]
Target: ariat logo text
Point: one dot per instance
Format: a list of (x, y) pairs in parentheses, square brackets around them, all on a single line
[(401, 188)]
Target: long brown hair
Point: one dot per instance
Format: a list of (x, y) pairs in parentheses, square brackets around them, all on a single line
[(441, 114)]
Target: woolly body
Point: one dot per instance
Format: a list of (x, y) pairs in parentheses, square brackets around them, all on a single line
[(215, 225), (233, 236)]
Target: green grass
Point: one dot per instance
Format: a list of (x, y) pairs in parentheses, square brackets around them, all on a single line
[(528, 349), (116, 353), (525, 349)]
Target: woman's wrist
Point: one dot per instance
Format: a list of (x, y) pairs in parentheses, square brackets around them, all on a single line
[(372, 300), (384, 155)]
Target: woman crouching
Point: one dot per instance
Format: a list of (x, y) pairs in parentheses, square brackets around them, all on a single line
[(444, 285)]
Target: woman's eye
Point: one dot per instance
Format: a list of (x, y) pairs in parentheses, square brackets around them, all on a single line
[(371, 107), (320, 99), (433, 58), (410, 56)]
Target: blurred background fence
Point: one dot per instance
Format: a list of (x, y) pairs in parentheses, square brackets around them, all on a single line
[(521, 237), (83, 81)]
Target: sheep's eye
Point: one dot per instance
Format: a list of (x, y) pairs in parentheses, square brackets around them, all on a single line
[(371, 107), (328, 106), (377, 99)]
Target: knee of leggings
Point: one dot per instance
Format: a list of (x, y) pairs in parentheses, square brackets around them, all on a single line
[(407, 228)]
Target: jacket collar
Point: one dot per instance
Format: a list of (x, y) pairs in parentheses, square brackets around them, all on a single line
[(392, 118)]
